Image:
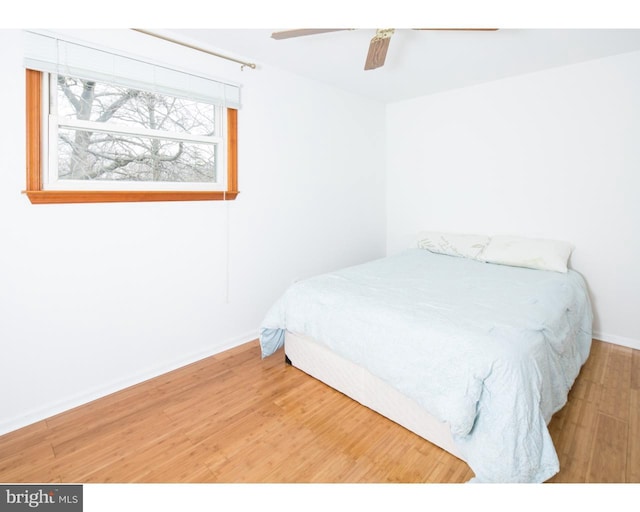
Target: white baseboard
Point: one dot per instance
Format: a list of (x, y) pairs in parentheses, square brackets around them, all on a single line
[(617, 340), (87, 396)]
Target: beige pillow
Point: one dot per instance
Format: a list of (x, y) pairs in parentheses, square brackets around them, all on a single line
[(534, 253), (452, 244)]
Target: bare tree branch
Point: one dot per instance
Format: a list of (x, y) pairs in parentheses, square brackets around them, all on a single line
[(62, 83), (113, 108)]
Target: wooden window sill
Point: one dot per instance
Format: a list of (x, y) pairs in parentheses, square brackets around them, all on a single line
[(123, 196)]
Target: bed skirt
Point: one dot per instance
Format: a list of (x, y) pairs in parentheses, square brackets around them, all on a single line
[(359, 384)]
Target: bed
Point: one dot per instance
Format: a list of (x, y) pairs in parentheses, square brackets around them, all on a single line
[(472, 346)]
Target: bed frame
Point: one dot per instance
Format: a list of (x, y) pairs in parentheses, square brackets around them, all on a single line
[(317, 360)]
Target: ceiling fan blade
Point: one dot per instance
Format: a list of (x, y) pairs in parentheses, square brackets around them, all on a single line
[(378, 49), (286, 34)]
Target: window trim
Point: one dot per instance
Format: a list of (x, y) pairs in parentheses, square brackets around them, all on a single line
[(37, 195)]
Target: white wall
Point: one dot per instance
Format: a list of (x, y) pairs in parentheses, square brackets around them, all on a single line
[(95, 297), (553, 154)]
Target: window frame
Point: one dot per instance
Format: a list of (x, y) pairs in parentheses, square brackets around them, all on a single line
[(35, 154)]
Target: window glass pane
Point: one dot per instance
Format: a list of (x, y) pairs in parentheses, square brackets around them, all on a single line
[(84, 155), (93, 101)]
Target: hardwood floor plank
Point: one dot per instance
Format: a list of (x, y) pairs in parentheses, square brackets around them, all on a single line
[(87, 454), (128, 468), (28, 463), (635, 369), (594, 368), (608, 460), (617, 384), (126, 431), (184, 469), (633, 455), (23, 438), (336, 467)]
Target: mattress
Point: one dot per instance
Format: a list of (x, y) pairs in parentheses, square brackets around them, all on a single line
[(490, 350)]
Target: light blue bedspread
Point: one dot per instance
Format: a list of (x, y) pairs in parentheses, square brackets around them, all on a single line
[(493, 350)]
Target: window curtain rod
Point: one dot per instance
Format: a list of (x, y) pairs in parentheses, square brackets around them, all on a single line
[(181, 43)]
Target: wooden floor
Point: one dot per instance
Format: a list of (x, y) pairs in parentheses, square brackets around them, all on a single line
[(237, 418)]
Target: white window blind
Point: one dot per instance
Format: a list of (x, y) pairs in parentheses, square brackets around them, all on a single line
[(52, 54)]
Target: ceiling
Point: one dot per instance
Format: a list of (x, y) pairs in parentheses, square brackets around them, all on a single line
[(418, 62)]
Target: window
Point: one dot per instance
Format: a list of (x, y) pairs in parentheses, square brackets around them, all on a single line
[(93, 138)]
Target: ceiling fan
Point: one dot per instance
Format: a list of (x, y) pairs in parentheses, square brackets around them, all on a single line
[(377, 47)]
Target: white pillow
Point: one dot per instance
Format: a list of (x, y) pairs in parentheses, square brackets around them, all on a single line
[(529, 252), (451, 244)]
